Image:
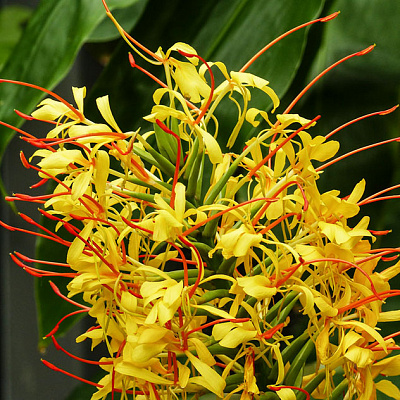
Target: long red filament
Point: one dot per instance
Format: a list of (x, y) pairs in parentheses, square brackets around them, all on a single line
[(56, 96), (210, 97), (359, 150), (319, 76), (269, 45)]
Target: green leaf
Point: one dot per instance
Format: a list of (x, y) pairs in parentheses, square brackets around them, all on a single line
[(46, 52), (12, 21), (359, 25), (127, 17)]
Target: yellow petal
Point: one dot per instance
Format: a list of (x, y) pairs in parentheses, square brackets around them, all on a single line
[(389, 366), (81, 184), (286, 394), (388, 388), (145, 351), (79, 94), (190, 83), (212, 146), (237, 336), (257, 286), (127, 368), (103, 105), (210, 378), (361, 357)]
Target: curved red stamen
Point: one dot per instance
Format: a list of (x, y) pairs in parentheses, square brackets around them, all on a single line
[(15, 229), (39, 273), (277, 388), (350, 153), (277, 148), (319, 76), (350, 264), (210, 97), (384, 112), (14, 128), (368, 199), (184, 263), (219, 213), (383, 295), (135, 226), (29, 259), (199, 264), (141, 69), (58, 293), (130, 38), (265, 48), (291, 270), (59, 347), (56, 96), (278, 221), (54, 368), (57, 326)]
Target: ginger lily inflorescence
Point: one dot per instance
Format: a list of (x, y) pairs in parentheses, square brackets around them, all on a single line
[(192, 260)]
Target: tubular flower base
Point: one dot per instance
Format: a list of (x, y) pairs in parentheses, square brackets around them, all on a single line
[(190, 259)]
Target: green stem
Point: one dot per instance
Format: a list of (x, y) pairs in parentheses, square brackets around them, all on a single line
[(312, 385), (339, 390), (298, 363)]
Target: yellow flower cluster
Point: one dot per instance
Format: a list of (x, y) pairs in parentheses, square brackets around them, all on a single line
[(192, 260)]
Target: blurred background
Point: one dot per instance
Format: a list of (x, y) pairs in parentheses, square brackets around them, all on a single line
[(62, 43)]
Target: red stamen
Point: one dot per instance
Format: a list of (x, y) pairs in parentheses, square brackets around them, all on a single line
[(368, 199), (129, 223), (292, 269), (56, 96), (40, 272), (14, 128), (54, 368), (130, 38), (350, 153), (288, 139), (350, 264), (385, 112), (141, 69), (210, 97), (58, 293), (271, 332), (38, 184), (15, 229), (278, 221), (55, 329), (265, 48), (383, 295), (59, 347), (301, 94), (277, 388), (218, 214), (199, 264)]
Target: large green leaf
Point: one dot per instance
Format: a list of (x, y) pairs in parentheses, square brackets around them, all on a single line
[(46, 52)]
